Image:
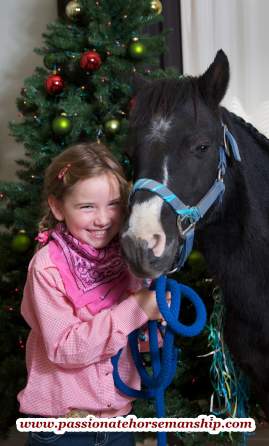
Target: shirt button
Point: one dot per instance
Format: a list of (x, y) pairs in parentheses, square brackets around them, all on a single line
[(107, 373), (109, 405)]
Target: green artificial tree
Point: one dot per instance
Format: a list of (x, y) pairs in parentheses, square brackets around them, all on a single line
[(83, 92)]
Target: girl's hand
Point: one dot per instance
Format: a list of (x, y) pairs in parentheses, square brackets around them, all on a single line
[(147, 301)]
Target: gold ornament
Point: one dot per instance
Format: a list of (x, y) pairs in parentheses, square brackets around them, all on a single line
[(73, 10), (156, 6)]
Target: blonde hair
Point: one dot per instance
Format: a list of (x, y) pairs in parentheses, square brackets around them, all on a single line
[(78, 162)]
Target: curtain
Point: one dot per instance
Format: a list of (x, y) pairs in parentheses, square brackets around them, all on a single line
[(241, 29)]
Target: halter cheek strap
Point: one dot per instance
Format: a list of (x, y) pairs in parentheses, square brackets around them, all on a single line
[(230, 143), (187, 216)]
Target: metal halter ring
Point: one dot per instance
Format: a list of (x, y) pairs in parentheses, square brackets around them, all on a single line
[(189, 224)]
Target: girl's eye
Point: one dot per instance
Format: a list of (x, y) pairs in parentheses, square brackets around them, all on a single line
[(115, 204), (88, 206)]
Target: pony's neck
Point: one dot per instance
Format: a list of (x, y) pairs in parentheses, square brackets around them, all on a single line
[(242, 219)]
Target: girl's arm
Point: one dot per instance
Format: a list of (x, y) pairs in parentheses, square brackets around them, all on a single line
[(69, 341)]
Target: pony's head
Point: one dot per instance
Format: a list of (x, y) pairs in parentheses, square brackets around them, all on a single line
[(175, 134)]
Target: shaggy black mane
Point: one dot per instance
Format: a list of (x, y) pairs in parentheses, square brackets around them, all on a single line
[(259, 137)]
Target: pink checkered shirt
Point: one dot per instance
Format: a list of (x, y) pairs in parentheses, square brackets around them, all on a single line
[(68, 351)]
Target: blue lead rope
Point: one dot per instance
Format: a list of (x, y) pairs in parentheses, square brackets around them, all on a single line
[(163, 360)]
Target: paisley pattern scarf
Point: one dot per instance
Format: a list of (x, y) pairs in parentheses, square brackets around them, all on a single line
[(94, 277)]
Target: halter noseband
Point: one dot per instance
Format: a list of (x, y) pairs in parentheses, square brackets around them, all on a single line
[(187, 216)]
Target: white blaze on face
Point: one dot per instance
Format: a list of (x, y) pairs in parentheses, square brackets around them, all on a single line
[(165, 172), (158, 129), (145, 218)]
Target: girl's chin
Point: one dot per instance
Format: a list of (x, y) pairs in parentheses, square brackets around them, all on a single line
[(98, 241), (94, 243)]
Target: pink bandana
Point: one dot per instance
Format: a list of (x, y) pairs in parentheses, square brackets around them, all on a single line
[(94, 277)]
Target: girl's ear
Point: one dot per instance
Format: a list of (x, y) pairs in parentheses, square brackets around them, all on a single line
[(55, 206)]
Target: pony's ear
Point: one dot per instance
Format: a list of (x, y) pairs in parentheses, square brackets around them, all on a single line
[(138, 82), (214, 82)]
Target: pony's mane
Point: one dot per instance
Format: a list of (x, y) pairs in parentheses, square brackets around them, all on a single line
[(260, 138), (161, 97)]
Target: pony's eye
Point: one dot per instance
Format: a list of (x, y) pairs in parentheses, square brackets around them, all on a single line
[(202, 148)]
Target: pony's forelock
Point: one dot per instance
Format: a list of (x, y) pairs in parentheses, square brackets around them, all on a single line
[(160, 98)]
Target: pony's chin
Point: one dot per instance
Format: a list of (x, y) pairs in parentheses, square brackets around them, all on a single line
[(150, 269), (152, 266), (142, 261), (146, 274)]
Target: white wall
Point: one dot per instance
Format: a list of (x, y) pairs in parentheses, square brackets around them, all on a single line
[(21, 25)]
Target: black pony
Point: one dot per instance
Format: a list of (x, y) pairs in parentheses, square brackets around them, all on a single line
[(177, 128)]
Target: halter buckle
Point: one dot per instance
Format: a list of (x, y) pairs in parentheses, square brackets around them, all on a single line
[(185, 223)]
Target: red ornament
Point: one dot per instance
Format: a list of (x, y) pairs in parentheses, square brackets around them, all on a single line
[(54, 84), (90, 61)]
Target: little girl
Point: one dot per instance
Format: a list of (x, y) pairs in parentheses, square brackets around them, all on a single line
[(80, 299)]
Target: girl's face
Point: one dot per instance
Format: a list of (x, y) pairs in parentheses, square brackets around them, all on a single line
[(92, 211)]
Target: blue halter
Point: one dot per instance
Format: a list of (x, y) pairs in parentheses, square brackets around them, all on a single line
[(187, 217)]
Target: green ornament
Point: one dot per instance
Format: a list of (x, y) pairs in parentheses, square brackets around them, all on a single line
[(137, 50), (21, 242), (112, 127), (61, 125)]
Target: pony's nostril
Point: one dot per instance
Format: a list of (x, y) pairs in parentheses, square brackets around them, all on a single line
[(154, 241), (157, 244)]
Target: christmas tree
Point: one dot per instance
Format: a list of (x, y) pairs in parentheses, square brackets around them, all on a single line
[(81, 92)]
